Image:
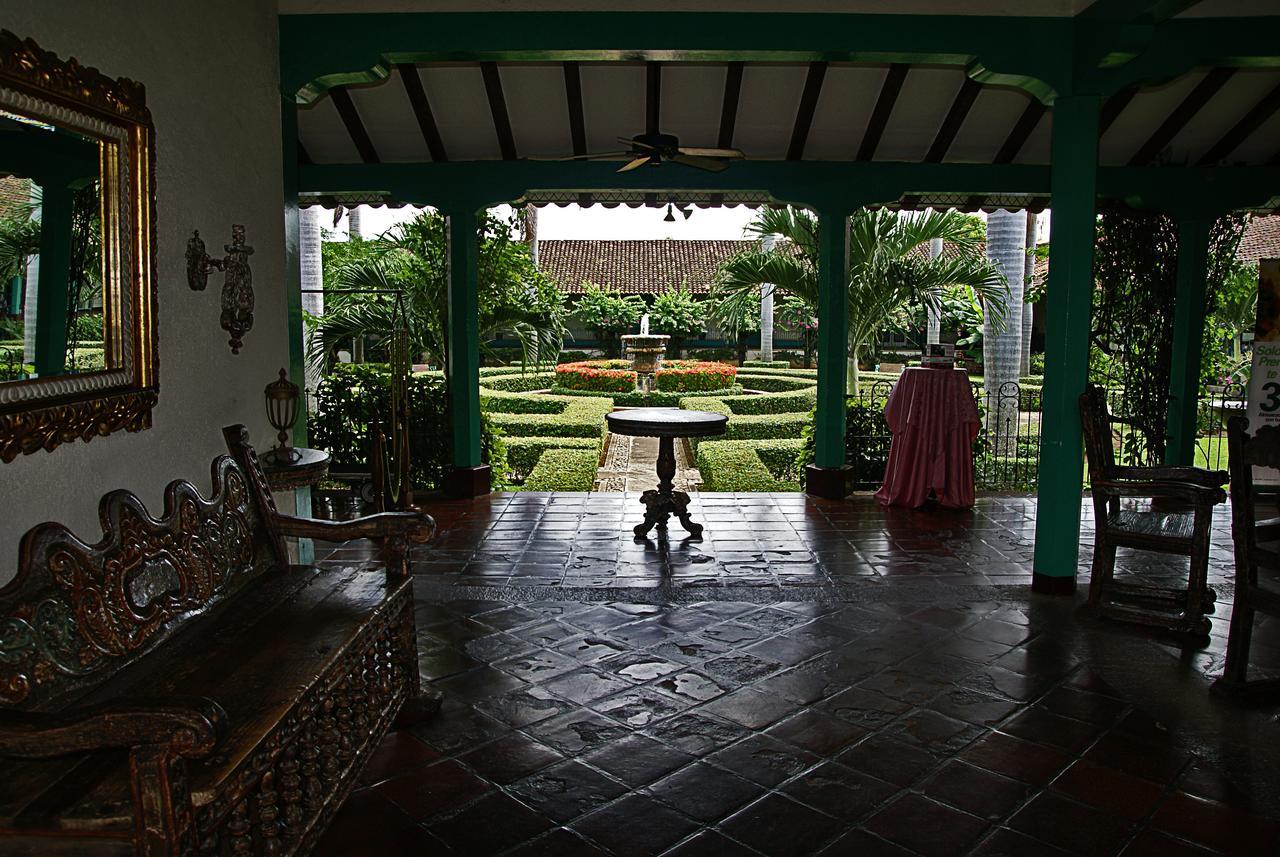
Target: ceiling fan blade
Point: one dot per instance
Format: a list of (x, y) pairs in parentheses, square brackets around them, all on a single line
[(711, 153), (633, 164), (709, 164), (639, 144), (589, 157)]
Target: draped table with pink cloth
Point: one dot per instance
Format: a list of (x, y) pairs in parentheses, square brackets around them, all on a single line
[(934, 420)]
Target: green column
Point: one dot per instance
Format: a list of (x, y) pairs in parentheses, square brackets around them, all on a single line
[(1073, 178), (833, 335), (55, 270), (464, 336), (292, 261), (15, 296), (1188, 339)]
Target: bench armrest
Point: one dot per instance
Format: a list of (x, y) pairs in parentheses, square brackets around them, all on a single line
[(184, 727), (416, 527), (1172, 473), (1184, 490)]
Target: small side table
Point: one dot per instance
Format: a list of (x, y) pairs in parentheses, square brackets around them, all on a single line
[(666, 424), (308, 469)]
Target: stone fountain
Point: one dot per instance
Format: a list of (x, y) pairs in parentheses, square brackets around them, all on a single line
[(646, 351)]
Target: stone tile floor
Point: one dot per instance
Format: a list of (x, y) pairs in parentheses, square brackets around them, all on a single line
[(811, 678)]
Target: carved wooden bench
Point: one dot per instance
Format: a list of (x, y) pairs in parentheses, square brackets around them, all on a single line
[(179, 688)]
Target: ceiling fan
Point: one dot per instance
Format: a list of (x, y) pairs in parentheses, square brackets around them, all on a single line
[(653, 149)]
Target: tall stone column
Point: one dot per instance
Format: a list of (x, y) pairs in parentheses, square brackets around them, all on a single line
[(1002, 347), (311, 262), (766, 307), (933, 333)]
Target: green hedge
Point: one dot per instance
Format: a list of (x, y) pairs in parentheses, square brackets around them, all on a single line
[(784, 373), (751, 426), (564, 470), (580, 417), (518, 383), (688, 376), (597, 376), (655, 399), (766, 364), (801, 401), (498, 402), (740, 465), (775, 383), (523, 453)]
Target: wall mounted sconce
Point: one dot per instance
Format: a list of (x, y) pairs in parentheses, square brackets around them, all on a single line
[(237, 285)]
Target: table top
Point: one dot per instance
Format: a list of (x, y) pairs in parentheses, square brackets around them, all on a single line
[(666, 422), (311, 466)]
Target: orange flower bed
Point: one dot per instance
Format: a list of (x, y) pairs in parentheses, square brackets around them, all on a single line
[(597, 376), (692, 376)]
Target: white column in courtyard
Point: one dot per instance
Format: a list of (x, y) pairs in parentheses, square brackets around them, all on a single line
[(30, 300), (312, 264), (933, 333), (766, 306)]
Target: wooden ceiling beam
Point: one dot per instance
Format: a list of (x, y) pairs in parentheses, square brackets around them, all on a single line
[(729, 107), (1113, 107), (1181, 115), (573, 99), (1242, 130), (1022, 130), (883, 110), (653, 97), (804, 112), (355, 128), (954, 121), (498, 107), (422, 111)]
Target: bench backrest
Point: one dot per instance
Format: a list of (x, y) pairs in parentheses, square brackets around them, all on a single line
[(78, 613)]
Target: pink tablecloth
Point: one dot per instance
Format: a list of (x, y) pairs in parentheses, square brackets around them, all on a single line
[(934, 420)]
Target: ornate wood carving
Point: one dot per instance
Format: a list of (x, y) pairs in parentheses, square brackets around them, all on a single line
[(77, 610), (22, 60), (25, 432)]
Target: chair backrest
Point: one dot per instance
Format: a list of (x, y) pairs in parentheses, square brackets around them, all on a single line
[(1095, 421), (78, 613), (1244, 453)]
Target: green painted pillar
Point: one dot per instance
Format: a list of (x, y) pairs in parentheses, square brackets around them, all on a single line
[(292, 260), (55, 271), (827, 477), (15, 296), (1073, 185), (1188, 339), (464, 337)]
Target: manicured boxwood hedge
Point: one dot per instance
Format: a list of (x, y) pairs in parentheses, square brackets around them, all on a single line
[(801, 401), (775, 383), (656, 399), (580, 417), (523, 453), (751, 426), (518, 383), (766, 364), (564, 470), (739, 465)]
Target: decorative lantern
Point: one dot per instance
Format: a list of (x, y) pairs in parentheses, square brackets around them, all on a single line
[(282, 413)]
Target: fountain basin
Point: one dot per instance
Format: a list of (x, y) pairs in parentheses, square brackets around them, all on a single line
[(645, 350)]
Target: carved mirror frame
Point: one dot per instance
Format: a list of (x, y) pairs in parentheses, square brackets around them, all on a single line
[(43, 413)]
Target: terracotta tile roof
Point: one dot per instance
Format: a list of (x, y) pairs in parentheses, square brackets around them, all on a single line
[(1261, 240), (637, 267)]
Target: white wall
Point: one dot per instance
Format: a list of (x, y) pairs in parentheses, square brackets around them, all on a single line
[(210, 69)]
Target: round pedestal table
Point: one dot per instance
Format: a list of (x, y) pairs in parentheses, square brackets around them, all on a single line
[(666, 424)]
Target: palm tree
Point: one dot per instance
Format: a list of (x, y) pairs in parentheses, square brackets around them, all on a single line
[(889, 268), (1002, 344), (404, 284)]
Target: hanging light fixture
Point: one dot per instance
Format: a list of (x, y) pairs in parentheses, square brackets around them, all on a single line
[(671, 217)]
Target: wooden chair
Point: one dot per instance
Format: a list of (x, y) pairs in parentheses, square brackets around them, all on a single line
[(1257, 567), (1185, 533)]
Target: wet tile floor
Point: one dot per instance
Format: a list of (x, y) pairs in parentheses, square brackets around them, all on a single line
[(830, 679)]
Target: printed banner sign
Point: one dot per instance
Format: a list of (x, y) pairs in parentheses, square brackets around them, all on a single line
[(1264, 382)]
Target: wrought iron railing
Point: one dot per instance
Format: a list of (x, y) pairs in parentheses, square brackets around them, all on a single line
[(11, 366)]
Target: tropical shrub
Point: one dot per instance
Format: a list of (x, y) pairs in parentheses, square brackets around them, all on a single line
[(679, 315), (600, 376), (347, 399), (609, 313), (678, 376), (564, 470)]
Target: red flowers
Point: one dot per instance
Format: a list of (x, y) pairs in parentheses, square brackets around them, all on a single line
[(597, 376), (688, 376)]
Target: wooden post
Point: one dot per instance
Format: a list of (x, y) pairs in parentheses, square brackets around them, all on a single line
[(828, 476), (470, 477)]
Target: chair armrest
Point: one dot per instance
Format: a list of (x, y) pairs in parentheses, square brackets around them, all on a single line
[(1184, 490), (185, 727), (1173, 473), (416, 527)]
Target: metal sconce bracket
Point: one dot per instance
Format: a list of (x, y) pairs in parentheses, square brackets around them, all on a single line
[(237, 285)]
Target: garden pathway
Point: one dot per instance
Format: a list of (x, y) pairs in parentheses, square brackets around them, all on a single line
[(630, 464)]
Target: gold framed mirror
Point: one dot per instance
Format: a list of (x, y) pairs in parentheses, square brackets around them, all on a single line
[(78, 352)]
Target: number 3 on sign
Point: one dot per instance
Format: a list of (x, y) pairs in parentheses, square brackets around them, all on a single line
[(1272, 402)]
